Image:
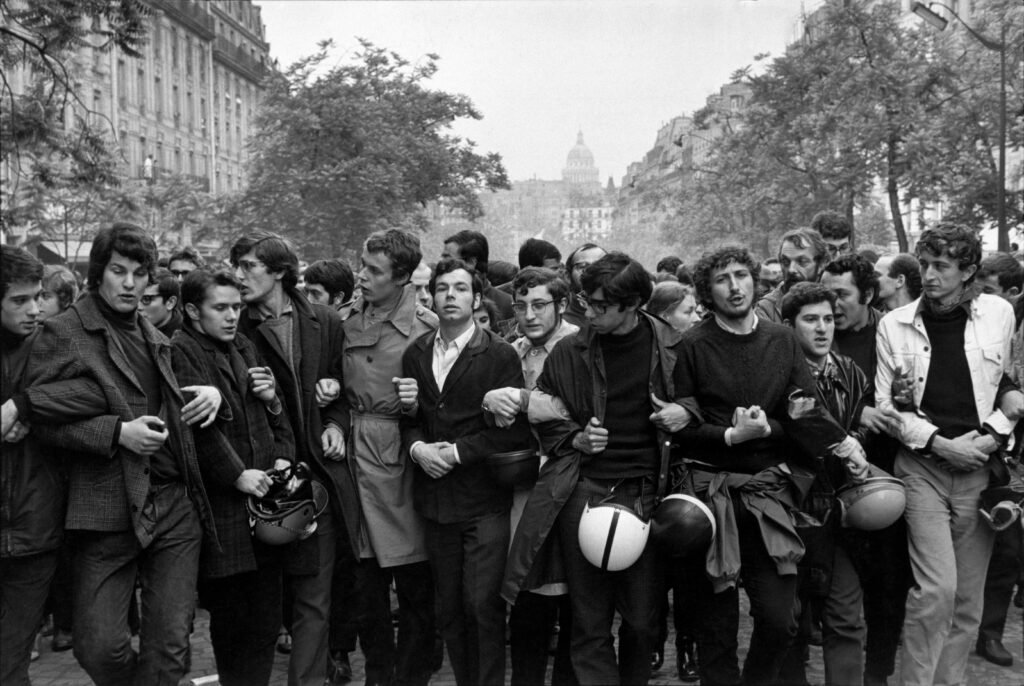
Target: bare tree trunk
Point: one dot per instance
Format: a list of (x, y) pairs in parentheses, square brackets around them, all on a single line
[(894, 199)]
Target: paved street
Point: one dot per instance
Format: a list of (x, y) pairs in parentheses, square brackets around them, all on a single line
[(61, 669)]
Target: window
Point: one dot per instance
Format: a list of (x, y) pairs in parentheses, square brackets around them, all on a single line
[(122, 87), (176, 103), (158, 97), (177, 160), (140, 88), (157, 40), (189, 110), (188, 55), (174, 48)]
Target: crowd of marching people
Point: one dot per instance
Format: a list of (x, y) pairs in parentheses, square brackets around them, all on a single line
[(516, 456)]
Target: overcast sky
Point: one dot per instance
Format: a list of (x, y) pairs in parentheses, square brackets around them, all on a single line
[(540, 70)]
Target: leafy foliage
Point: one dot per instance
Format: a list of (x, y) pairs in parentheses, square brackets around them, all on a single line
[(361, 146), (48, 136), (864, 102)]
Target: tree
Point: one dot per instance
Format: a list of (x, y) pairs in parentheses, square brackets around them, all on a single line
[(362, 146), (862, 100), (48, 135)]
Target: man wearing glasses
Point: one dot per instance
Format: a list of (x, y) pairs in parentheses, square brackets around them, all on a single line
[(392, 545), (615, 378), (302, 344), (581, 258), (159, 303), (184, 261), (835, 230), (540, 297)]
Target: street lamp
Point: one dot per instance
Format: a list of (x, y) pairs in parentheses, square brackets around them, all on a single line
[(939, 22)]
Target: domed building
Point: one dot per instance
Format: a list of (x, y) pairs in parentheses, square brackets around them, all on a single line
[(579, 168)]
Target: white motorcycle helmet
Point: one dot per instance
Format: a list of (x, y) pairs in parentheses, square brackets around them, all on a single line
[(612, 537)]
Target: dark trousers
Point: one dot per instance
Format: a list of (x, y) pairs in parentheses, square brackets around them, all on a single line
[(61, 598), (684, 620), (311, 608), (245, 615), (106, 567), (410, 662), (530, 625), (468, 561), (596, 595), (344, 601), (24, 585), (1003, 570), (772, 606), (885, 578)]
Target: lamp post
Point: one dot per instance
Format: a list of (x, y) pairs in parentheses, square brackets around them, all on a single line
[(938, 21)]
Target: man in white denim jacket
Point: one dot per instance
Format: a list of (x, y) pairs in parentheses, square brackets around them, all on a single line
[(948, 354)]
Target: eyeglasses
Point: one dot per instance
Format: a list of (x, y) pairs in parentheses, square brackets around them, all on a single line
[(148, 299), (538, 306), (834, 250), (180, 272), (598, 306), (248, 265), (580, 266)]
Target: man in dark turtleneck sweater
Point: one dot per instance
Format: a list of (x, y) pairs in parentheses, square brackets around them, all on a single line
[(953, 348), (759, 423), (135, 492), (614, 377)]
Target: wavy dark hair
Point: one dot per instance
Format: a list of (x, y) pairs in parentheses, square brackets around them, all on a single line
[(623, 280), (710, 262), (955, 241), (803, 294), (864, 276)]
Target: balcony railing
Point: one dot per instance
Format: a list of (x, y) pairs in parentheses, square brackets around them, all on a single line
[(238, 59), (189, 13)]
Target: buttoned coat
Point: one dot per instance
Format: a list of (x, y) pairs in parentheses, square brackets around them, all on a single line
[(108, 485), (455, 414), (244, 436), (320, 336), (392, 530)]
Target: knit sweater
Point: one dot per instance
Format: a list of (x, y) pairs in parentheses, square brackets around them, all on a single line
[(723, 370)]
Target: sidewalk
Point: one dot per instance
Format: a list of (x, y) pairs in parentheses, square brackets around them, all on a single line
[(61, 669)]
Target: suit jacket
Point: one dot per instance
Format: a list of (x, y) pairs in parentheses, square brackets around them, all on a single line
[(245, 436), (318, 344), (454, 414), (108, 484)]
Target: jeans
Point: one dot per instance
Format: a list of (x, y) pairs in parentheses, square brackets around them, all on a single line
[(106, 566), (950, 547), (773, 607), (311, 609), (410, 663), (468, 561), (842, 629), (596, 595), (245, 615), (24, 585)]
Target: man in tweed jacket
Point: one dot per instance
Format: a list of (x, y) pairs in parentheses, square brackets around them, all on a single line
[(136, 499)]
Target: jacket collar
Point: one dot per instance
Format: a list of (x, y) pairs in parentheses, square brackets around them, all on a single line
[(523, 344), (93, 320), (403, 313)]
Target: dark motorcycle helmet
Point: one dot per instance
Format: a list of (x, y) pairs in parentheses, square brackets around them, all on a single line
[(683, 525), (289, 510)]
